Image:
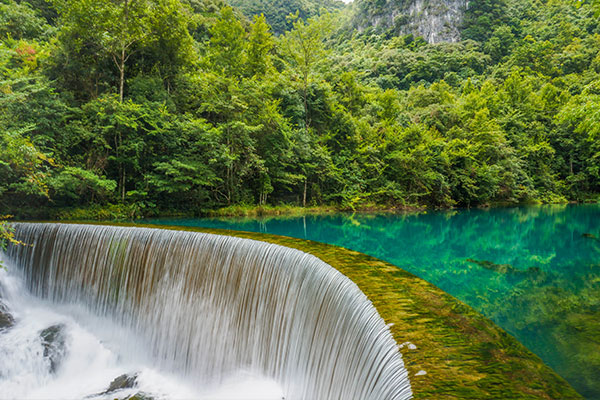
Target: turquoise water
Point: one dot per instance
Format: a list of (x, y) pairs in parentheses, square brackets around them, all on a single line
[(535, 271)]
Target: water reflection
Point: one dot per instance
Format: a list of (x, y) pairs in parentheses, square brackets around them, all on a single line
[(535, 271)]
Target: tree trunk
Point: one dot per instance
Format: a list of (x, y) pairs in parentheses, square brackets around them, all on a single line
[(306, 104), (123, 58), (229, 184), (123, 187), (571, 164), (122, 75), (304, 194)]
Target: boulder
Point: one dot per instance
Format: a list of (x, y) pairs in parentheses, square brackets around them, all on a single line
[(53, 341), (125, 381), (6, 319), (140, 396)]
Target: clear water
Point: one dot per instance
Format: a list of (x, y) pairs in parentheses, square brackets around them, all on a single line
[(535, 271)]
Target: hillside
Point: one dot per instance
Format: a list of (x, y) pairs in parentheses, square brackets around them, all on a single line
[(277, 11), (165, 106), (436, 20)]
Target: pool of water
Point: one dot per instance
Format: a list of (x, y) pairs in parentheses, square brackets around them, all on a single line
[(535, 271)]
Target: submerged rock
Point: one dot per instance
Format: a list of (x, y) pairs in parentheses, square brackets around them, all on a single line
[(53, 341), (507, 269), (6, 319), (500, 268)]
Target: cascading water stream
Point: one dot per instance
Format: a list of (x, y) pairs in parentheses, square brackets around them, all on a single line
[(206, 307)]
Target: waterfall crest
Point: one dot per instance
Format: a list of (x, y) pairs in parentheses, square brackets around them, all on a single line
[(207, 306)]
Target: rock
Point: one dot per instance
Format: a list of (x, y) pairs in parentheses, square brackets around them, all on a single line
[(122, 382), (54, 340), (409, 345), (6, 319), (500, 268), (140, 396), (125, 381), (435, 20), (590, 236)]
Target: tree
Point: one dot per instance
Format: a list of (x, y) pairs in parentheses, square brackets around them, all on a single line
[(259, 48), (118, 26), (581, 120), (227, 44), (20, 21), (303, 49), (276, 11), (23, 171), (95, 34)]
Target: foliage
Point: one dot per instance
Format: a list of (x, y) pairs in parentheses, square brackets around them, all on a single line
[(107, 212), (187, 106), (277, 11), (20, 21)]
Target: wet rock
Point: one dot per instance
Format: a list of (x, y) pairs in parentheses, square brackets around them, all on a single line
[(140, 396), (53, 341), (6, 319), (125, 381), (122, 382)]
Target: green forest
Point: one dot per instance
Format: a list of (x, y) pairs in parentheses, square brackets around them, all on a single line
[(129, 108)]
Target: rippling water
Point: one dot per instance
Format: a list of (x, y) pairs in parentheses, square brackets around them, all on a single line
[(535, 271)]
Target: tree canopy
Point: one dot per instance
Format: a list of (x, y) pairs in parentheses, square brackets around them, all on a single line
[(148, 107)]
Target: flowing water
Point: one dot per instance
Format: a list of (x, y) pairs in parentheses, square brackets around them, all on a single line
[(535, 271), (185, 315)]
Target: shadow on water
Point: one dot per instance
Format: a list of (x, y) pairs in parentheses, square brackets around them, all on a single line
[(535, 271)]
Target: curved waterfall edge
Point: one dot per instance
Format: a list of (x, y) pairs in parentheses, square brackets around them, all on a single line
[(316, 311), (454, 347)]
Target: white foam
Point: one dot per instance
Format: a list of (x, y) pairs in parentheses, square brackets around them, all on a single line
[(97, 351)]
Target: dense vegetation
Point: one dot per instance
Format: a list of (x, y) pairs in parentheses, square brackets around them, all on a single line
[(277, 11), (152, 106)]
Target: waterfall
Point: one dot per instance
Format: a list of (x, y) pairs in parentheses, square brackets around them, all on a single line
[(207, 306)]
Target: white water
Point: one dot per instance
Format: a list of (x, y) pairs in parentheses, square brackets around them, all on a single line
[(97, 351), (194, 315)]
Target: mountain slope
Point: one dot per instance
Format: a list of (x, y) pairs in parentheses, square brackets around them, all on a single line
[(276, 11), (435, 20)]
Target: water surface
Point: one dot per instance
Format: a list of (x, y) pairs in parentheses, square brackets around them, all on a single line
[(535, 271)]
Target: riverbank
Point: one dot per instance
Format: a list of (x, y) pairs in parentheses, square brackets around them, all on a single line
[(131, 212), (119, 212), (291, 210), (450, 351)]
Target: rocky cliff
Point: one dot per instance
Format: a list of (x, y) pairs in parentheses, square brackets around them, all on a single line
[(435, 20)]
